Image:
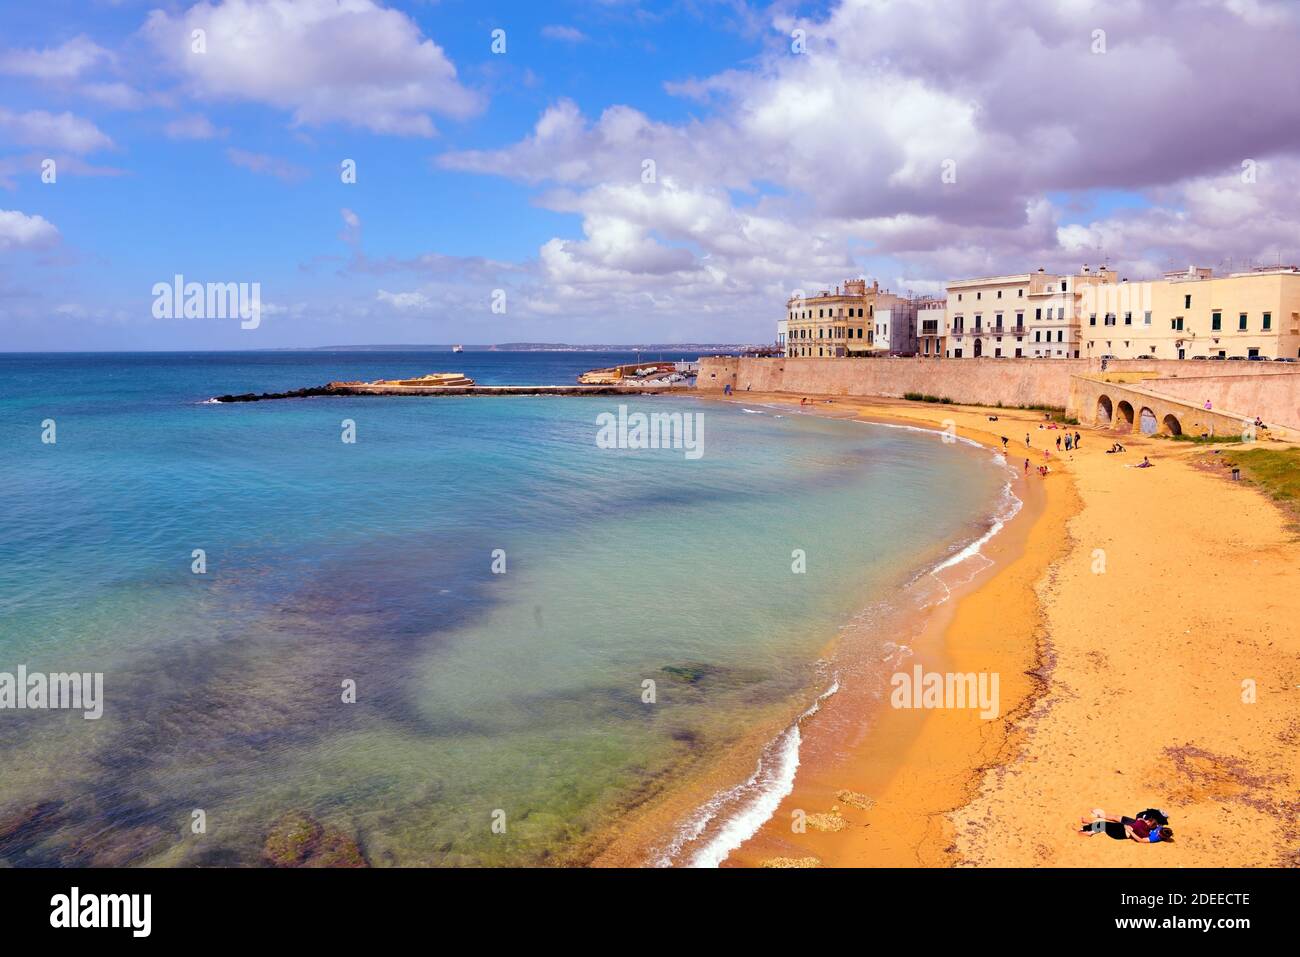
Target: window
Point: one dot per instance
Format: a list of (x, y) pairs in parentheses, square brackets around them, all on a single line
[(997, 353), (999, 293), (1146, 318), (1187, 301), (1038, 313), (1020, 293), (997, 320), (1252, 353), (1060, 336), (1177, 324), (1268, 321), (1038, 335), (1241, 322), (959, 297), (979, 295), (1216, 321), (1060, 313), (1092, 319), (1128, 318)]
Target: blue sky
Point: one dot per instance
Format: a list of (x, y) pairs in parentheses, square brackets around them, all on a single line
[(775, 168)]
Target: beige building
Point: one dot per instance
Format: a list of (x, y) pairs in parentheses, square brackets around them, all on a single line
[(1027, 315), (931, 327), (1192, 314), (854, 319)]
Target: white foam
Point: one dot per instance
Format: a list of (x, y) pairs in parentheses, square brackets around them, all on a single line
[(759, 797)]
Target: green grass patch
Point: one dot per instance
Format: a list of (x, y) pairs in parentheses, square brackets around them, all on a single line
[(1200, 439), (925, 397), (1277, 471)]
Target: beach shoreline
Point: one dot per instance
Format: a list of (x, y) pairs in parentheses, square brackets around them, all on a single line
[(880, 786)]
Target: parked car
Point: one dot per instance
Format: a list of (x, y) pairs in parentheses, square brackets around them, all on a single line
[(1146, 357), (1236, 358), (1201, 357), (1108, 357), (1257, 358), (1284, 359), (1218, 358)]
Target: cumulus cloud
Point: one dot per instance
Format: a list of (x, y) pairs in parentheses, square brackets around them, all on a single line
[(326, 61), (925, 141), (58, 131), (21, 231)]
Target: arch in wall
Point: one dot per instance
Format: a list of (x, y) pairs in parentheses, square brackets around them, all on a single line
[(1105, 410), (1170, 425), (979, 348), (1124, 417), (1147, 422)]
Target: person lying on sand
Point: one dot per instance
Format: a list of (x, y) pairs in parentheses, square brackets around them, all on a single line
[(1140, 829), (1145, 463)]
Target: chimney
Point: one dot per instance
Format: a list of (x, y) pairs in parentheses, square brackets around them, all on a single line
[(1085, 269)]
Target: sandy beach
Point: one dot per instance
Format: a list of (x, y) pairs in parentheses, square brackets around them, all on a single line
[(1142, 623)]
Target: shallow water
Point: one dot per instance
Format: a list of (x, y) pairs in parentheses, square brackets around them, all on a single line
[(480, 697)]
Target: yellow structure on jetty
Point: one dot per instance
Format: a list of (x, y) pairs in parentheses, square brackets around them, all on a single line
[(433, 379)]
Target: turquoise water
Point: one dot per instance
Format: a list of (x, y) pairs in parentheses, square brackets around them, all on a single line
[(480, 697)]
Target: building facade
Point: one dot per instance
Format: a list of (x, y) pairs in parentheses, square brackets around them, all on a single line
[(931, 327), (1192, 314), (1027, 315), (1188, 314), (847, 322)]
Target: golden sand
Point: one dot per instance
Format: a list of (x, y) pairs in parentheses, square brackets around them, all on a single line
[(1145, 624)]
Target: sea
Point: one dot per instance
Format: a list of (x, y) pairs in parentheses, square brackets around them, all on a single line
[(448, 631)]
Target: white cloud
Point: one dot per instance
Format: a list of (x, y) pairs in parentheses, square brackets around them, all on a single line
[(59, 131), (803, 169), (351, 226), (65, 62), (265, 165), (18, 230), (405, 301), (192, 127), (326, 61), (563, 33)]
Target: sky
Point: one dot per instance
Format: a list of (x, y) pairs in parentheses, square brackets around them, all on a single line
[(616, 171)]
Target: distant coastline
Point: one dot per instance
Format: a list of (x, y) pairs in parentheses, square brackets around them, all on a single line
[(540, 347)]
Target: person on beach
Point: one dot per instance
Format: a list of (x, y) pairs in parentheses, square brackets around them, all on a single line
[(1077, 437), (1058, 444), (1004, 443), (1145, 463), (1026, 466), (1026, 440), (1140, 829)]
